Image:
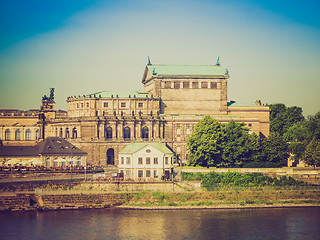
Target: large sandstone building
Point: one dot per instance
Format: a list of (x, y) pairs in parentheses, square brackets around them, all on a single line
[(174, 99)]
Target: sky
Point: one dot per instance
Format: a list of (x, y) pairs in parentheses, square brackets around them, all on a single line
[(270, 47)]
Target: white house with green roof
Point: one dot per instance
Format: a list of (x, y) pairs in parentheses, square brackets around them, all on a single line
[(146, 160)]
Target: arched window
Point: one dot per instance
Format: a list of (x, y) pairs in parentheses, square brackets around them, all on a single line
[(28, 134), (61, 133), (67, 132), (37, 134), (7, 135), (74, 133), (145, 132), (18, 135), (126, 132), (108, 132)]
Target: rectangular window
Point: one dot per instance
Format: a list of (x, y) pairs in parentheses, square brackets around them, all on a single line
[(48, 162), (122, 160), (167, 84), (204, 85), (147, 160), (140, 105), (77, 105), (123, 104), (140, 161), (148, 173), (195, 85), (105, 104), (213, 85), (128, 173), (155, 160), (176, 85), (186, 85), (166, 160), (155, 174), (82, 105), (128, 160), (87, 105), (140, 173)]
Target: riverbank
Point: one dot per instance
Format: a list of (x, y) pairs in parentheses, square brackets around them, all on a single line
[(220, 206)]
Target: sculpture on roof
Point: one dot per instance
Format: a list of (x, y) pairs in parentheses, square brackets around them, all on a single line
[(149, 62), (218, 62), (50, 98)]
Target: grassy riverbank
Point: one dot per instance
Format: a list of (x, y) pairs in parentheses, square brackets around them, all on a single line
[(265, 196)]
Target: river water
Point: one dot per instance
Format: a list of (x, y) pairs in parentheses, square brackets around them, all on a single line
[(271, 223)]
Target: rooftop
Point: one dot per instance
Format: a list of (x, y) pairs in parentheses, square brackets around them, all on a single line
[(187, 70), (118, 94), (136, 146)]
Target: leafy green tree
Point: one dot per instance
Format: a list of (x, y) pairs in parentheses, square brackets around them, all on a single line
[(312, 153), (256, 156), (276, 150), (282, 118), (234, 147), (204, 144), (313, 126)]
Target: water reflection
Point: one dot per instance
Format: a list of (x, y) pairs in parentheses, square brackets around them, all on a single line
[(302, 223)]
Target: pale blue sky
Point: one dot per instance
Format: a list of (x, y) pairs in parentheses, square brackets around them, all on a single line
[(271, 48)]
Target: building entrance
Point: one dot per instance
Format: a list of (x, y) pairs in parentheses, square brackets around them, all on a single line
[(110, 156)]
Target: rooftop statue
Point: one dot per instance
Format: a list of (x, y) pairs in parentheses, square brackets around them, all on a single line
[(50, 98)]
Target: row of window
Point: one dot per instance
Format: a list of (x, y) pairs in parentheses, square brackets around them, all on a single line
[(147, 160), (148, 173), (19, 133), (63, 163), (141, 173), (127, 132), (187, 84), (66, 133), (106, 104)]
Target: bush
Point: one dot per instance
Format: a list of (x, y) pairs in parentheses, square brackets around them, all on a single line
[(213, 180)]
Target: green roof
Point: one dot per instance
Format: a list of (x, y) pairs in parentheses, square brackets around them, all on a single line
[(136, 146), (187, 70), (120, 94)]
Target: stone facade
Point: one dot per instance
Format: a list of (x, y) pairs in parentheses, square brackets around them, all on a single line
[(174, 100)]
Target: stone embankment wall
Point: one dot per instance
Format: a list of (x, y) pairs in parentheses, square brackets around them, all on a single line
[(33, 202), (302, 174), (21, 185)]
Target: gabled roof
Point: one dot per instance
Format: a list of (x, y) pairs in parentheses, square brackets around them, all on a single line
[(21, 151), (136, 146), (57, 145), (162, 70), (186, 70), (49, 146)]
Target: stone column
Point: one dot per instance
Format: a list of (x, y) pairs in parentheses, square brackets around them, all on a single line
[(120, 129), (139, 129)]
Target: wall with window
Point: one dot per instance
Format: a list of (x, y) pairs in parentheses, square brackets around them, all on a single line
[(146, 163)]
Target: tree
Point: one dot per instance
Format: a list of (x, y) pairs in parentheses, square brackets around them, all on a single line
[(204, 143), (276, 150), (216, 144), (282, 118), (234, 148), (256, 156), (312, 153)]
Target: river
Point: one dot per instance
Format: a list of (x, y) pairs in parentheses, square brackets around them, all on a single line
[(267, 223)]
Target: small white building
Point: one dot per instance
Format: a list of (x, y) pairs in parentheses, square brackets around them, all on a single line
[(146, 160)]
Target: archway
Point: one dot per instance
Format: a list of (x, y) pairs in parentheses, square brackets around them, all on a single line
[(145, 132), (110, 156)]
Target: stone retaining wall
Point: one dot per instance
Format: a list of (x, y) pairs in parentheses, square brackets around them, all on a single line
[(33, 202)]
